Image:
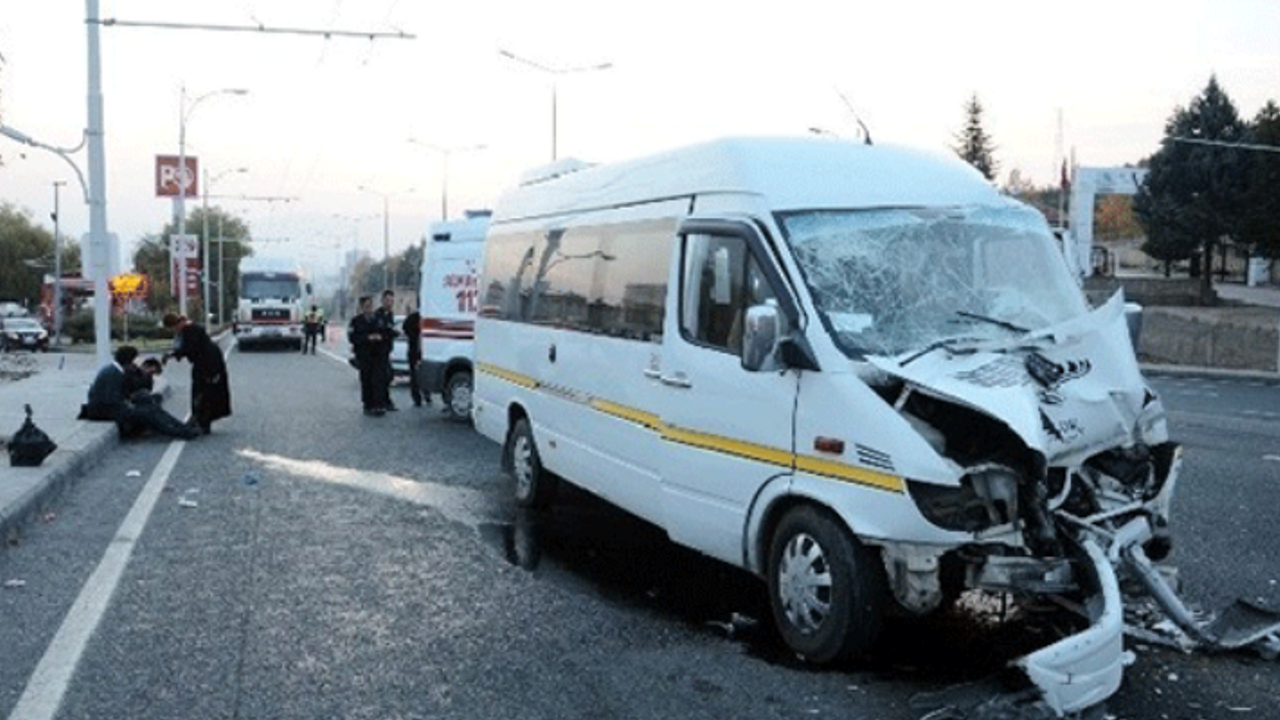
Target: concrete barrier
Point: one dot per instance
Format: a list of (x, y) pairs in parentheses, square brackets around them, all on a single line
[(1236, 338)]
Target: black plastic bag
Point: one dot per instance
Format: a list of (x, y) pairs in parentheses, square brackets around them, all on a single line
[(30, 445)]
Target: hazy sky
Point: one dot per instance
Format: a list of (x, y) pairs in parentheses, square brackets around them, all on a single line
[(325, 116)]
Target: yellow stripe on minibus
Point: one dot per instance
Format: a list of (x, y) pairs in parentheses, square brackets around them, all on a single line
[(851, 473), (706, 441), (639, 417), (726, 445), (511, 377)]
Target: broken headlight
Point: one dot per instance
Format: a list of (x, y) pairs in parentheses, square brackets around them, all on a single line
[(987, 497)]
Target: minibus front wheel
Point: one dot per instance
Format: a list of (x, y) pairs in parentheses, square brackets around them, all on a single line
[(534, 485), (827, 590)]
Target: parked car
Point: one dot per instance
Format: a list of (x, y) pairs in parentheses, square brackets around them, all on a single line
[(23, 333)]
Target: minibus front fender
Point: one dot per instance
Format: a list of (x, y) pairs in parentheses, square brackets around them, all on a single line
[(770, 503)]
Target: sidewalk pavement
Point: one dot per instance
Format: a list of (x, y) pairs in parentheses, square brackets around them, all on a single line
[(55, 393)]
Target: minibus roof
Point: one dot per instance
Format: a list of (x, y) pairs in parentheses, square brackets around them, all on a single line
[(788, 173)]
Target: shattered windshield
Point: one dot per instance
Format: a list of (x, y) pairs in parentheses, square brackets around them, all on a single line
[(893, 280)]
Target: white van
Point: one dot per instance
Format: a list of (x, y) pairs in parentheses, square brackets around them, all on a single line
[(859, 372), (447, 303)]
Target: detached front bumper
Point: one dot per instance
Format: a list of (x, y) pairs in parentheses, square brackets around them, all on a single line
[(1086, 668)]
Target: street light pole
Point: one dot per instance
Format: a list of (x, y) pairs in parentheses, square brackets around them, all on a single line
[(57, 267), (98, 242), (554, 72), (386, 232), (180, 202), (445, 152), (204, 269)]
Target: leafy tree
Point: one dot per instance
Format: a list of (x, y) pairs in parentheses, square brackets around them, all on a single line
[(1260, 227), (975, 146), (367, 277), (25, 249), (153, 259), (1193, 196)]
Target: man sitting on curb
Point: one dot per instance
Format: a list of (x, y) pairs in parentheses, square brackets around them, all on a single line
[(121, 393)]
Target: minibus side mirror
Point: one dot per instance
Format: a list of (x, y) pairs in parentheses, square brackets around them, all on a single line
[(760, 338)]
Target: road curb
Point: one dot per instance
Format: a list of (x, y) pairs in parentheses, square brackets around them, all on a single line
[(62, 475), (67, 468)]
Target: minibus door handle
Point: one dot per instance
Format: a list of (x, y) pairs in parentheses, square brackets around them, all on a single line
[(677, 381), (653, 374)]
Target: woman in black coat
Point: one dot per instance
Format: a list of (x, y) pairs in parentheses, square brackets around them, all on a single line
[(210, 388)]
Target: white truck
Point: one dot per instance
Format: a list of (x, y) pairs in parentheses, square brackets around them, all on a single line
[(271, 305), (447, 302)]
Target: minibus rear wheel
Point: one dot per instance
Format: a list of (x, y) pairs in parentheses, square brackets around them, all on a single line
[(827, 590), (457, 398), (534, 485)]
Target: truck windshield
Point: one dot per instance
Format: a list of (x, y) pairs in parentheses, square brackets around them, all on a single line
[(269, 288), (889, 281)]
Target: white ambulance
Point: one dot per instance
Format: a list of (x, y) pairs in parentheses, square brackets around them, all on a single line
[(447, 304), (859, 372)]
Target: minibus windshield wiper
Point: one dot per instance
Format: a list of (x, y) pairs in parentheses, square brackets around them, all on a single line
[(993, 321), (948, 343)]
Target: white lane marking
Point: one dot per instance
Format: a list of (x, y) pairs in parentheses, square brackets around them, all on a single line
[(43, 694), (333, 356)]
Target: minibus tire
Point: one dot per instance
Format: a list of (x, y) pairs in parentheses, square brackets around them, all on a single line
[(534, 485), (821, 622), (457, 394)]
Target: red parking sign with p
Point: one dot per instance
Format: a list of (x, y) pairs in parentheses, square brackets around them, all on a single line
[(168, 180)]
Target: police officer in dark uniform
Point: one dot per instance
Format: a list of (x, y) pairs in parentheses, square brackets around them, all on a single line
[(385, 321), (413, 337), (366, 339)]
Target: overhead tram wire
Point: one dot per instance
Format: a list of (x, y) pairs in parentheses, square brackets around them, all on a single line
[(260, 28)]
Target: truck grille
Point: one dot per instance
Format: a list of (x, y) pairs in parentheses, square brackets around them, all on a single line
[(270, 315)]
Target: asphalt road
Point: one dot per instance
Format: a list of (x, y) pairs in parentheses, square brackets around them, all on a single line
[(308, 561)]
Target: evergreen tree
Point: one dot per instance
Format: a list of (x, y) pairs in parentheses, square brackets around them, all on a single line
[(975, 146), (1260, 228), (1193, 197)]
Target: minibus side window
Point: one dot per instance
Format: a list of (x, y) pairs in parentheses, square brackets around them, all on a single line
[(721, 279)]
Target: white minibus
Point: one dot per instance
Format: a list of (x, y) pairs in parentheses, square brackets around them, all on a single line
[(859, 372)]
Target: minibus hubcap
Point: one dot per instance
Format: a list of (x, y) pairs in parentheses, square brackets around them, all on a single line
[(804, 583), (522, 454)]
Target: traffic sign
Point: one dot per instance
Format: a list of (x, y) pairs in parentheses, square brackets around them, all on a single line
[(167, 176)]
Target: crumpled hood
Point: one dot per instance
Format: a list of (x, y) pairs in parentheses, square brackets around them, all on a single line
[(1069, 391)]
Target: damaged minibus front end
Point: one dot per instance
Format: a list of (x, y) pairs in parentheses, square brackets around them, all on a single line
[(1064, 462), (1052, 461)]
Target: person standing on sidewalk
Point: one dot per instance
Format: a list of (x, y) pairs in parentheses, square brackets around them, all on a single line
[(210, 386), (413, 338)]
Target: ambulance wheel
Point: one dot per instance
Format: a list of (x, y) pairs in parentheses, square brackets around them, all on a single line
[(827, 590), (457, 396), (534, 485)]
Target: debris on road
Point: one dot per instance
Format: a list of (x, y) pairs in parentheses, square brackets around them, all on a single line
[(133, 473), (15, 584)]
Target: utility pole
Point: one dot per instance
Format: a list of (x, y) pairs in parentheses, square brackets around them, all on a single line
[(57, 268)]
